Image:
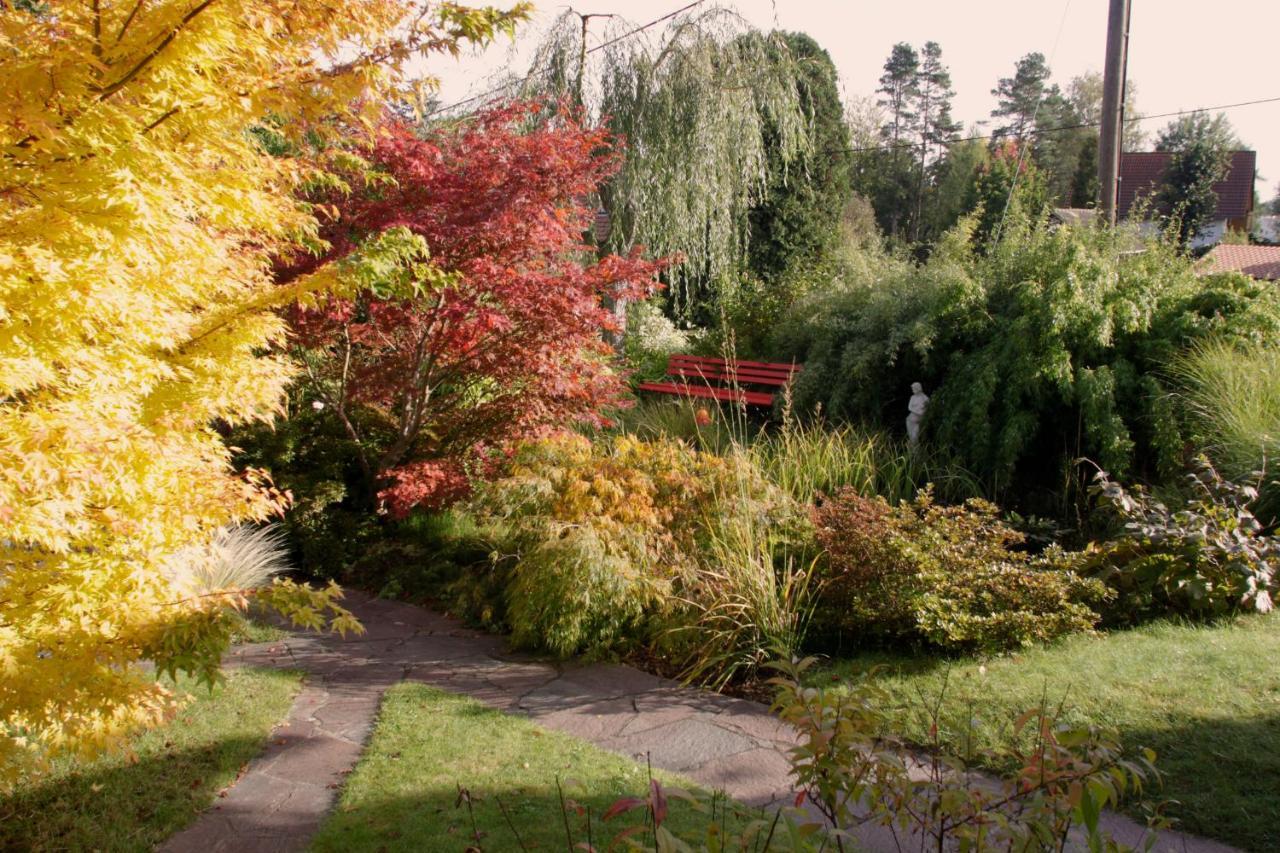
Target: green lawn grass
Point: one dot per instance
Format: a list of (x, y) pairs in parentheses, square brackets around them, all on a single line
[(121, 804), (1205, 698), (404, 794)]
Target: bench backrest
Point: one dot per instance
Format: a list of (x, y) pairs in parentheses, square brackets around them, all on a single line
[(700, 368)]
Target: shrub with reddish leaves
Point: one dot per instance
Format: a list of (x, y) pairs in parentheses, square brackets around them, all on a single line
[(500, 335), (950, 576)]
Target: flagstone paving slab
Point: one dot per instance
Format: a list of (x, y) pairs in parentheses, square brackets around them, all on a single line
[(283, 795)]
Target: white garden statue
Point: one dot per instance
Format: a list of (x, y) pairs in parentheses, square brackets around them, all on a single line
[(919, 402)]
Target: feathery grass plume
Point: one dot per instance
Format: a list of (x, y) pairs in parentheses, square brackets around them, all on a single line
[(1233, 394), (240, 557)]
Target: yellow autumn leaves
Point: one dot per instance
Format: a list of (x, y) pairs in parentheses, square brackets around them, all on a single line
[(138, 216)]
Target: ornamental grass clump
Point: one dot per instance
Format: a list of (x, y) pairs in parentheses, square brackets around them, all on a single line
[(949, 576), (808, 459), (239, 557), (1232, 393)]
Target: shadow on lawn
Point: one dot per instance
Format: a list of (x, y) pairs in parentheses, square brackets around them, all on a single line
[(117, 806), (1224, 775)]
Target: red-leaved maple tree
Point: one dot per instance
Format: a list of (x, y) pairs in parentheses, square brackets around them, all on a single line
[(429, 373)]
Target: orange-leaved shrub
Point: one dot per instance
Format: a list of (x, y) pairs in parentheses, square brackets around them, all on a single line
[(612, 545), (951, 576)]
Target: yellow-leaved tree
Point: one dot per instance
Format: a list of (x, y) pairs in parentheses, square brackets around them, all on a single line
[(139, 212)]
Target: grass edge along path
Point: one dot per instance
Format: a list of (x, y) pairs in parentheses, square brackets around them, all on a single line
[(1206, 698), (132, 802), (431, 751)]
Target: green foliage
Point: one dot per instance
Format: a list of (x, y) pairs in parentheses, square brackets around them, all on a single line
[(950, 576), (328, 524), (1201, 149), (754, 596), (954, 177), (1018, 98), (703, 424), (1008, 189), (811, 459), (611, 545), (1043, 349), (797, 222), (902, 179), (1209, 558)]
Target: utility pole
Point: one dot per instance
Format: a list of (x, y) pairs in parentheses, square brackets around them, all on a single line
[(1113, 78)]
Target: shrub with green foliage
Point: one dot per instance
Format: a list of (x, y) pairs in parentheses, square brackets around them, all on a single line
[(329, 525), (951, 576), (608, 544), (1043, 349), (1208, 558)]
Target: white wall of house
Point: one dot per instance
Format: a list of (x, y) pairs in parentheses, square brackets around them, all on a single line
[(1210, 235), (1267, 228)]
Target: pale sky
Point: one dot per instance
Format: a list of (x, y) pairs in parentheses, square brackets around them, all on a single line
[(1182, 54)]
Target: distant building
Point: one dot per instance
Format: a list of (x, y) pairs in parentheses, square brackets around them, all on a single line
[(1142, 180), (1267, 228), (1260, 262)]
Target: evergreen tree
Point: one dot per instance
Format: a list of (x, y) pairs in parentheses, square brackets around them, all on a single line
[(934, 125), (900, 86), (956, 174), (798, 220), (896, 184), (1064, 151), (1019, 96)]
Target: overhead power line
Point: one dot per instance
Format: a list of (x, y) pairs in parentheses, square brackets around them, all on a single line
[(1057, 128), (624, 36)]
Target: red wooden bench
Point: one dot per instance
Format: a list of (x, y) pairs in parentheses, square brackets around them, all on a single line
[(718, 379)]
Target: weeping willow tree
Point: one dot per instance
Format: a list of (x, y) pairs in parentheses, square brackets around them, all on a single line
[(701, 105)]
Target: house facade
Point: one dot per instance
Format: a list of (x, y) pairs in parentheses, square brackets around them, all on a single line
[(1142, 180)]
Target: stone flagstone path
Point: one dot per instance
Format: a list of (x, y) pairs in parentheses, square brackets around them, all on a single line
[(285, 793)]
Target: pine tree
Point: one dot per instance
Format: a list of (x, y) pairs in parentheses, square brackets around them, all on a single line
[(1019, 96), (934, 125), (899, 87)]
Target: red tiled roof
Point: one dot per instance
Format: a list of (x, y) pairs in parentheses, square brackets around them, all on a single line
[(1142, 176), (1261, 262)]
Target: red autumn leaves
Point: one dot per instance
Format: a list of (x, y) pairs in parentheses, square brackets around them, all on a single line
[(512, 347)]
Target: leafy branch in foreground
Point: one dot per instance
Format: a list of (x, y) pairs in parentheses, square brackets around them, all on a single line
[(854, 774)]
